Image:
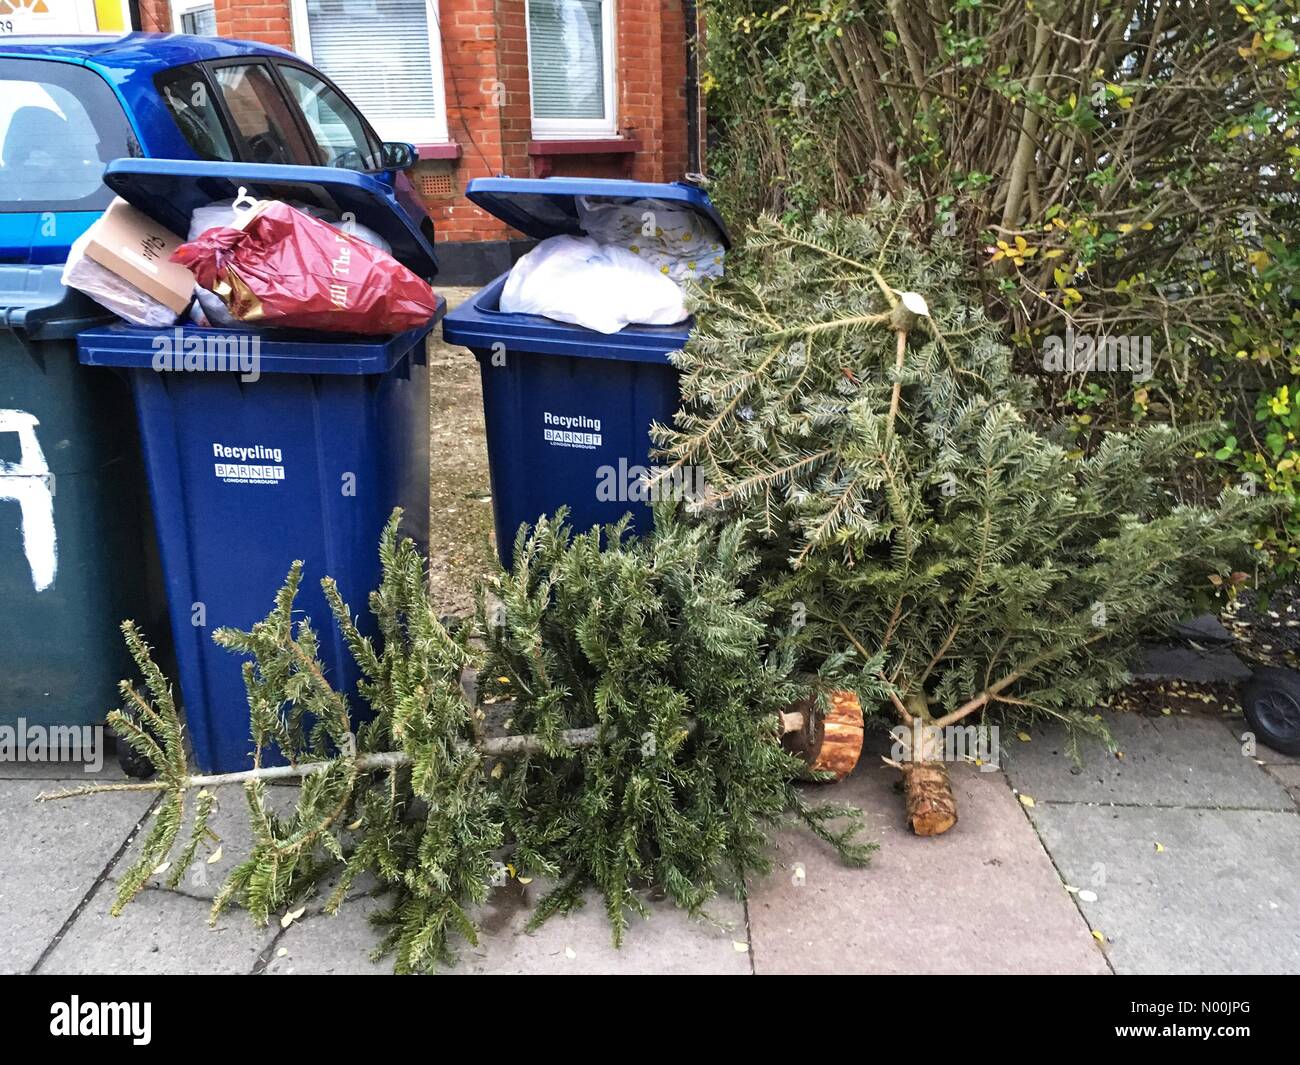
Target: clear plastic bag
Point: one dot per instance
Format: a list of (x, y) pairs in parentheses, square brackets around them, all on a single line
[(676, 241), (115, 293)]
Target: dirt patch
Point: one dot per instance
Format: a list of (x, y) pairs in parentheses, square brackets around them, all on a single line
[(1267, 629), (462, 547), (1169, 697)]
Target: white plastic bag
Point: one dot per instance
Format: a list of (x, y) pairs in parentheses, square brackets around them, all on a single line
[(113, 292), (600, 286), (680, 243)]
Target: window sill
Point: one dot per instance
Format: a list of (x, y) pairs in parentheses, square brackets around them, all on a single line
[(450, 150), (585, 146), (543, 151)]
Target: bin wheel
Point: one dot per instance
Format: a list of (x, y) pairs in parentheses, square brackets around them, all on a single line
[(1271, 703), (133, 764)]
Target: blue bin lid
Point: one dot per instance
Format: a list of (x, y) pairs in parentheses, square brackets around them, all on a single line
[(278, 350), (168, 191), (546, 207)]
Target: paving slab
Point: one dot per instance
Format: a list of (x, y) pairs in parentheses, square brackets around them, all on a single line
[(1219, 894), (87, 772), (52, 855), (982, 898), (159, 932), (1172, 662), (670, 942), (1168, 761), (337, 945), (1289, 777), (229, 822), (1205, 629)]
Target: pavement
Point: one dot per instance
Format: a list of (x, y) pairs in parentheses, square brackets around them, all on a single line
[(1179, 856)]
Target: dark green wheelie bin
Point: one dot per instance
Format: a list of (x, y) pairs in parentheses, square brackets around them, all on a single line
[(76, 554)]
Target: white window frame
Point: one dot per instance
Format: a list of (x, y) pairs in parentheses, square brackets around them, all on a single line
[(582, 128), (301, 29), (184, 7)]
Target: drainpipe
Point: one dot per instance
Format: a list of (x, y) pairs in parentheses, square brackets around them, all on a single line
[(691, 16)]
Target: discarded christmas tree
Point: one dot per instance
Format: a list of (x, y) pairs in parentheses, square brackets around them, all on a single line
[(845, 396), (642, 750), (653, 645)]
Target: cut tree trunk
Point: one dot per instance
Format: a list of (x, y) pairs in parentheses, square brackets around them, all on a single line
[(830, 744), (931, 808)]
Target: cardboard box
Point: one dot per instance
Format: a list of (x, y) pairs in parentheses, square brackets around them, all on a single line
[(138, 249)]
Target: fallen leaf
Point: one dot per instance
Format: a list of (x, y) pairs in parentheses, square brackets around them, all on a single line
[(570, 953), (741, 948), (1087, 896), (1098, 936), (289, 918), (1023, 737), (1025, 800), (215, 856), (1160, 848), (497, 770), (525, 879), (282, 952), (355, 825), (162, 868)]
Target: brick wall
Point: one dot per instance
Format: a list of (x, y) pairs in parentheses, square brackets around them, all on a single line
[(156, 15), (485, 72), (267, 21)]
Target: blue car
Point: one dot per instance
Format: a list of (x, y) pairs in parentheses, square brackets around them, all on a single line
[(69, 105)]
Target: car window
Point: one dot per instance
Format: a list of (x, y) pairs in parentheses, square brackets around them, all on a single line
[(59, 125), (191, 103), (338, 130), (262, 116)]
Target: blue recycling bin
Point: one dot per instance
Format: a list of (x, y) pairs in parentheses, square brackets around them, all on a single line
[(246, 475), (568, 410)]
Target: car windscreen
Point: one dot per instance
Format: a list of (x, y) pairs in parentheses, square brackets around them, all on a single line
[(59, 124)]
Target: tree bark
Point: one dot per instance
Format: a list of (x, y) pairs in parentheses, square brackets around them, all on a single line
[(931, 808), (927, 789)]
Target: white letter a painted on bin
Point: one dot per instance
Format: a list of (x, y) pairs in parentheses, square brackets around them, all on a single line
[(27, 482)]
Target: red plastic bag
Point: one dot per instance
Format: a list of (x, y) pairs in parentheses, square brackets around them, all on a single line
[(286, 269)]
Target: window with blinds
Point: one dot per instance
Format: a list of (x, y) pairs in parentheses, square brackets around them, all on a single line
[(386, 57), (195, 17), (200, 22), (571, 66)]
